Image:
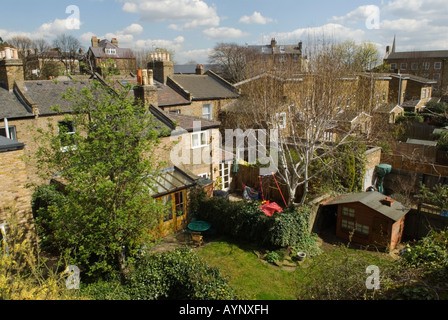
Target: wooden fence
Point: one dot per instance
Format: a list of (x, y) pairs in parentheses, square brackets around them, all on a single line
[(419, 222), (400, 162)]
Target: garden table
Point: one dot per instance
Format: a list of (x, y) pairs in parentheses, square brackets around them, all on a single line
[(199, 226)]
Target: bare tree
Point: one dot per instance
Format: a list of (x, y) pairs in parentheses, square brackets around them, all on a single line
[(68, 48), (307, 112)]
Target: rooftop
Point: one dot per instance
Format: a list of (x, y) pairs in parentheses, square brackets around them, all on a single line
[(374, 201)]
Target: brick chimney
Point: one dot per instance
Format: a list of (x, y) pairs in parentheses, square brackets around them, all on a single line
[(95, 41), (273, 43), (114, 42), (11, 68), (388, 201), (162, 66), (146, 93), (200, 69)]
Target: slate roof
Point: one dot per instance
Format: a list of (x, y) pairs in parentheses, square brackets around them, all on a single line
[(413, 78), (47, 94), (204, 87), (418, 54), (191, 68), (373, 200), (277, 49), (11, 107), (121, 53)]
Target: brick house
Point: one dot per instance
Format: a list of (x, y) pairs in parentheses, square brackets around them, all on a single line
[(431, 65), (202, 94), (373, 218), (102, 51), (26, 106)]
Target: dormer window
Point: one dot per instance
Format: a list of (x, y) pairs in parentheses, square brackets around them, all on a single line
[(110, 51)]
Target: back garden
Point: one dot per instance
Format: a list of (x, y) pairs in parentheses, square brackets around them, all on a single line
[(249, 256)]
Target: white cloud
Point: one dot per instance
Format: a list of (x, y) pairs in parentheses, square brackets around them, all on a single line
[(192, 13), (224, 33), (256, 18), (357, 15), (133, 29), (328, 32), (198, 55)]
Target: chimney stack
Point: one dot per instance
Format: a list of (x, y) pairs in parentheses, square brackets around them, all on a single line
[(115, 42), (388, 201), (95, 41), (273, 43), (200, 69), (162, 66), (146, 93), (11, 68)]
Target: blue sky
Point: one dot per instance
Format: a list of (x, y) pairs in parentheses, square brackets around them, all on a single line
[(191, 28)]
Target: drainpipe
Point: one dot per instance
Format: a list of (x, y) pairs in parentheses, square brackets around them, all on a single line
[(7, 128)]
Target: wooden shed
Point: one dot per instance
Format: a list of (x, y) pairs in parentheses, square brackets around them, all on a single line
[(373, 218)]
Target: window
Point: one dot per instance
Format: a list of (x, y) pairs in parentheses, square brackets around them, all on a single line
[(423, 93), (282, 49), (384, 96), (414, 66), (281, 119), (403, 66), (174, 111), (362, 228), (393, 66), (436, 76), (328, 136), (175, 205), (168, 213), (110, 51), (198, 139), (349, 212), (179, 203), (437, 65), (66, 134), (3, 245), (426, 65), (205, 175), (225, 169), (347, 224), (207, 111), (10, 133)]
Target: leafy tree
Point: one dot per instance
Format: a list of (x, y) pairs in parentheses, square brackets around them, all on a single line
[(438, 196), (105, 168)]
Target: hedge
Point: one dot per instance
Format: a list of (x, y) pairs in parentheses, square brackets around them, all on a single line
[(245, 221)]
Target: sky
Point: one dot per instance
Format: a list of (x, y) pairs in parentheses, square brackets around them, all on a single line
[(192, 28)]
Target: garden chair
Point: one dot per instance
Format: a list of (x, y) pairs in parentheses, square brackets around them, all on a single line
[(197, 238)]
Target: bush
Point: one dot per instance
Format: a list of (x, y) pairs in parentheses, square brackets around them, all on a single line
[(178, 274), (245, 221), (272, 256)]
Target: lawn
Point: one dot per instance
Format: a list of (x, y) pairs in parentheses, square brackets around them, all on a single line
[(255, 280)]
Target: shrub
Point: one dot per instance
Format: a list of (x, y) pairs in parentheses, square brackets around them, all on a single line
[(245, 221), (272, 256), (178, 274)]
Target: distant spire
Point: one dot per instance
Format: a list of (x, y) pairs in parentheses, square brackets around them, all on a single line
[(393, 45)]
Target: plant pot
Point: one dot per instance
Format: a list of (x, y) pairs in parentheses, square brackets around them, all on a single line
[(301, 256)]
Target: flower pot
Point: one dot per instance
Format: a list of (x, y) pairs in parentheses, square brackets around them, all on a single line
[(301, 256)]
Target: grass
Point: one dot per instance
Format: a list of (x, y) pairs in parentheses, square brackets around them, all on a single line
[(254, 280)]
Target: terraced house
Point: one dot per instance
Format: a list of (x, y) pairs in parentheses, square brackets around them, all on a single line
[(26, 106)]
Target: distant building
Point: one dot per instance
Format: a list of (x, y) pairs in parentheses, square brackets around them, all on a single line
[(431, 65), (101, 52)]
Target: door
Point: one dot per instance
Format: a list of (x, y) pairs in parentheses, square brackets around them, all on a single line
[(224, 169)]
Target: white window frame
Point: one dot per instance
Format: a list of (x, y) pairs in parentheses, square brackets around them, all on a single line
[(225, 178), (110, 51), (436, 77), (437, 65), (10, 132), (199, 134), (403, 66), (209, 114), (426, 65), (393, 66), (414, 66), (70, 147), (423, 93), (205, 175)]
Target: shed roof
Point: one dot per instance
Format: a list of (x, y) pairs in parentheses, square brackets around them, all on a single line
[(9, 145), (374, 201)]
